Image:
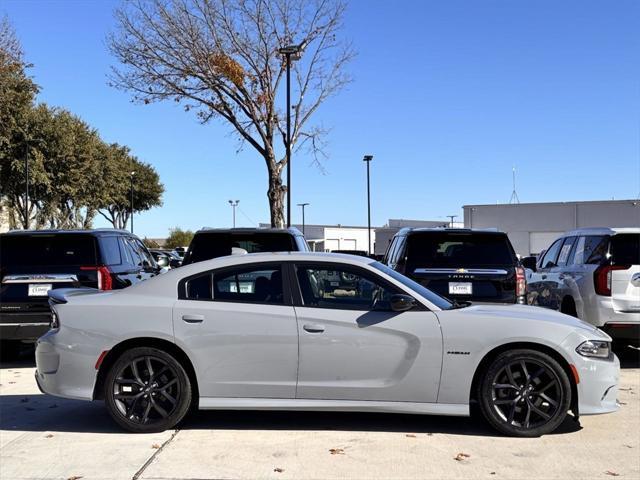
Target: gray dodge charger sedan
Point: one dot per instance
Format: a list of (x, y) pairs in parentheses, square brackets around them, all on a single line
[(309, 331)]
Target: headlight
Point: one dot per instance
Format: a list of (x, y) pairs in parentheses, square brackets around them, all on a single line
[(594, 348)]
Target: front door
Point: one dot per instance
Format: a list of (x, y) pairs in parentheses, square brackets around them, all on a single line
[(239, 329), (353, 348)]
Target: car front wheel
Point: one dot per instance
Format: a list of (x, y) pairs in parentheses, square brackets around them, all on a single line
[(524, 393), (147, 390)]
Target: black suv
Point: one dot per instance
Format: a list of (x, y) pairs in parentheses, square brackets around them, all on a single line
[(34, 262), (211, 243), (460, 264)]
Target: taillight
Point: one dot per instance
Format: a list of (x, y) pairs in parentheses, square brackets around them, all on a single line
[(104, 276), (521, 282), (602, 278)]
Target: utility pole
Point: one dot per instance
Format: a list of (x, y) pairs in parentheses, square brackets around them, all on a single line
[(451, 217), (367, 159), (131, 211), (303, 205), (233, 206), (291, 52)]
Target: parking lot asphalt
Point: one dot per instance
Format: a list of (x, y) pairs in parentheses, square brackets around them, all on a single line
[(43, 437)]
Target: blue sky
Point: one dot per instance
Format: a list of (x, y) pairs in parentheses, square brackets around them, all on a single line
[(447, 96)]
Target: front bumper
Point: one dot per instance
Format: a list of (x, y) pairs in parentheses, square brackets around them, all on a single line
[(598, 387)]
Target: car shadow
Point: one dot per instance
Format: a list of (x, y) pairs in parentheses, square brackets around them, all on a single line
[(41, 413)]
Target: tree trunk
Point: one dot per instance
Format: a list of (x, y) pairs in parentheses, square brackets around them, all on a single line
[(276, 194)]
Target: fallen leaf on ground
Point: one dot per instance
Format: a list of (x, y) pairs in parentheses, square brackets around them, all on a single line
[(74, 477), (410, 435), (48, 435), (12, 382), (155, 445), (336, 451), (461, 456), (628, 446), (278, 470), (492, 473), (613, 474), (429, 434)]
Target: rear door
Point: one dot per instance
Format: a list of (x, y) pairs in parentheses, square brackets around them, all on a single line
[(239, 328), (351, 350), (625, 276), (476, 266)]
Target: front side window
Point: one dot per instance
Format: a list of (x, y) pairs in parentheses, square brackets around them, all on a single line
[(550, 257), (341, 287)]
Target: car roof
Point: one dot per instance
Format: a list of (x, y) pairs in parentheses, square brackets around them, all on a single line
[(289, 230), (601, 231), (95, 232), (410, 230)]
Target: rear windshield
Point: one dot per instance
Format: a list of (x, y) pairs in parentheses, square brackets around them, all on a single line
[(206, 246), (43, 250), (457, 250), (625, 249)]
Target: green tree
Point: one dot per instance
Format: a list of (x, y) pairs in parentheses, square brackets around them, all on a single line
[(17, 93), (178, 238), (122, 169), (220, 59)]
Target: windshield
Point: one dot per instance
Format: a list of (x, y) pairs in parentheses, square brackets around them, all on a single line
[(47, 250), (433, 297), (458, 250)]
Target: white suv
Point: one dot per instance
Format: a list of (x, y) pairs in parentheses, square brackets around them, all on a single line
[(593, 274)]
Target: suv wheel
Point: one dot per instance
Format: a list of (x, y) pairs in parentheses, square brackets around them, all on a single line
[(147, 390), (524, 393)]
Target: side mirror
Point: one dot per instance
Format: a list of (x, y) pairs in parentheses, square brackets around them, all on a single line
[(402, 303), (529, 262), (162, 261)]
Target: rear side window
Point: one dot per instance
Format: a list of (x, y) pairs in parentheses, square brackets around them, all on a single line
[(564, 258), (595, 249), (47, 250), (206, 246), (625, 249), (110, 251), (456, 250)]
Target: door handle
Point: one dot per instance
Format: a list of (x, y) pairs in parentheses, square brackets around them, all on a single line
[(193, 318), (313, 328), (544, 277)]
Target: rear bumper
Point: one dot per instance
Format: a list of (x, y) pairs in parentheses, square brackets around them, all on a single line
[(24, 326), (62, 371)]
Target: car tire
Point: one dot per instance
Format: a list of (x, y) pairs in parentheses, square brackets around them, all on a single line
[(147, 390), (524, 393)]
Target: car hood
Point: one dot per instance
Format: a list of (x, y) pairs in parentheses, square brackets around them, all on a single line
[(525, 312)]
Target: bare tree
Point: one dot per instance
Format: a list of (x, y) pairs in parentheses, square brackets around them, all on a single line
[(220, 59)]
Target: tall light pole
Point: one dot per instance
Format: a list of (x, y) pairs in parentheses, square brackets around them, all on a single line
[(303, 205), (367, 159), (132, 175), (233, 206), (291, 52), (451, 217)]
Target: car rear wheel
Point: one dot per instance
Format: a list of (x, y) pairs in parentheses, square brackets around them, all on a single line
[(147, 390), (524, 393)]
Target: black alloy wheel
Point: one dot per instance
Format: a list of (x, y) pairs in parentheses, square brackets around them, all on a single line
[(147, 390), (525, 393)]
